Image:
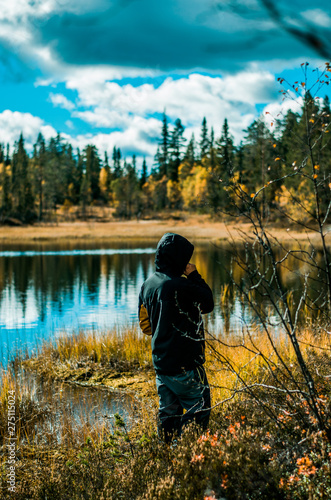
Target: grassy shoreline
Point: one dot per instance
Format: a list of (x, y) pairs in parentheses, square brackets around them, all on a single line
[(120, 360), (245, 455), (199, 228)]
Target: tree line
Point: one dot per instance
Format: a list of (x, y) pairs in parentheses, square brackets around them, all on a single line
[(195, 175)]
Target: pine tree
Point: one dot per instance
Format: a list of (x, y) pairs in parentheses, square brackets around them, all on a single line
[(54, 186), (259, 164), (108, 171), (5, 202), (143, 177), (92, 171), (78, 177), (190, 156), (225, 153), (23, 202), (221, 162), (163, 157), (7, 161), (176, 144), (39, 158), (204, 141), (117, 168), (212, 152)]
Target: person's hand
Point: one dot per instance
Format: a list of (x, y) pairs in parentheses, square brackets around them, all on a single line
[(189, 269)]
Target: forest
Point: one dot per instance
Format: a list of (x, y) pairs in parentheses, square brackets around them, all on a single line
[(200, 175)]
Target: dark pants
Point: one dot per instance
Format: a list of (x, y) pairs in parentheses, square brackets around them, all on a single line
[(188, 390)]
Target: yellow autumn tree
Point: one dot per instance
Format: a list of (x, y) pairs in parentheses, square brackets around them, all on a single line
[(103, 183), (174, 194), (195, 187)]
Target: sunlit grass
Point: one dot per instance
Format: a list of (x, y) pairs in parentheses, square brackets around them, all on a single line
[(120, 349), (122, 344), (245, 452), (251, 355)]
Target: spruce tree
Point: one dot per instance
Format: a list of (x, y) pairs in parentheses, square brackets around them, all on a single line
[(225, 153), (117, 168), (176, 144), (143, 177), (39, 157), (23, 202), (204, 141), (164, 148), (92, 172), (5, 202), (190, 155), (108, 172), (212, 152)]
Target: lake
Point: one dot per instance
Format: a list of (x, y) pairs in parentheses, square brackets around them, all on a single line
[(49, 289)]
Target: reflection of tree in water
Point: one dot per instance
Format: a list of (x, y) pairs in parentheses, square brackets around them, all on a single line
[(18, 277), (59, 280), (126, 269)]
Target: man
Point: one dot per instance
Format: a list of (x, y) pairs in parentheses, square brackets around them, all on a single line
[(170, 308)]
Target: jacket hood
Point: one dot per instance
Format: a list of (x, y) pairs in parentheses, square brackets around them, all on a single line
[(173, 253)]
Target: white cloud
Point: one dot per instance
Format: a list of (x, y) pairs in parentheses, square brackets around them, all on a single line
[(232, 97), (129, 111), (12, 123), (61, 101), (136, 138)]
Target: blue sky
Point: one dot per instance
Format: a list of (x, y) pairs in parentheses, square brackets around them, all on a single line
[(103, 71)]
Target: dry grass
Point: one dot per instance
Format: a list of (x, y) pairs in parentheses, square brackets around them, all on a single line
[(119, 345), (252, 354), (245, 454), (96, 357), (195, 227)]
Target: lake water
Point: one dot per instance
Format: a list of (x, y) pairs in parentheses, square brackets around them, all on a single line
[(48, 289), (82, 406)]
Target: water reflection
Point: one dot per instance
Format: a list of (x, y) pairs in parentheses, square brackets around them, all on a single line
[(47, 289), (81, 408)]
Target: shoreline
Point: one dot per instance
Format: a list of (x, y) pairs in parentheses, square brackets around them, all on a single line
[(133, 380), (196, 228)]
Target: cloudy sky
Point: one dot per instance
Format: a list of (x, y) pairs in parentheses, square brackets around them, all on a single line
[(103, 71)]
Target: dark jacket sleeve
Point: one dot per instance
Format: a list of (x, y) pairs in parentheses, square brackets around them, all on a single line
[(200, 292)]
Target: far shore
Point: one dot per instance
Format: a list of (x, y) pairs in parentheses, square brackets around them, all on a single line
[(198, 228)]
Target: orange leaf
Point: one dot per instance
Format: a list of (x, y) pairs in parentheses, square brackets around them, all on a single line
[(277, 159), (315, 176)]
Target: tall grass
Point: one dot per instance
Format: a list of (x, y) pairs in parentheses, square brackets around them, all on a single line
[(121, 349), (121, 344), (245, 454)]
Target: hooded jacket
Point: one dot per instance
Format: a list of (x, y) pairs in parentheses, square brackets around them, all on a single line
[(170, 308)]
